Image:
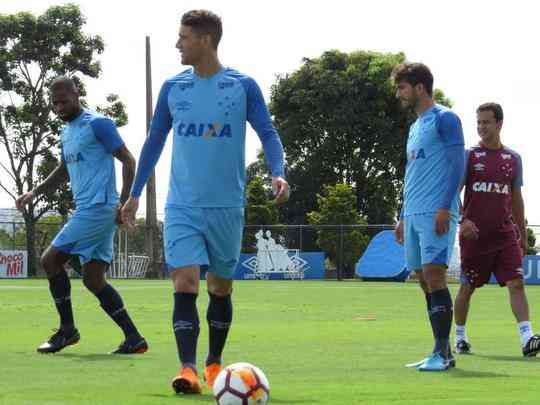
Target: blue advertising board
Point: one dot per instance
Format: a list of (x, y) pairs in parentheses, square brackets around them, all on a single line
[(305, 265)]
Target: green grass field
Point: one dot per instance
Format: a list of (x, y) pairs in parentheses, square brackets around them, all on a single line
[(311, 338)]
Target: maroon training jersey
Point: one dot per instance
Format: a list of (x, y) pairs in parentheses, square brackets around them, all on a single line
[(490, 177)]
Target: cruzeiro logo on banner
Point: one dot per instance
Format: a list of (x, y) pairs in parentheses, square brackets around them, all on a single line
[(274, 258)]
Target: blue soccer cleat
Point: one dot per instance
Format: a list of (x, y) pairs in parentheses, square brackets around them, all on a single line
[(435, 362), (451, 362), (417, 364)]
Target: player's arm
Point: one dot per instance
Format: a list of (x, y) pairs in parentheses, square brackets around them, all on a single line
[(259, 118), (153, 146), (454, 148), (467, 228), (398, 229), (518, 206), (107, 134), (58, 176), (128, 171)]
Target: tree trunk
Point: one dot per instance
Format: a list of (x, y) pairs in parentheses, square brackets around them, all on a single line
[(30, 226)]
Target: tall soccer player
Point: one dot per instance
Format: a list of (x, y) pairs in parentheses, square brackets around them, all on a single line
[(493, 235), (427, 226), (207, 107), (89, 142)]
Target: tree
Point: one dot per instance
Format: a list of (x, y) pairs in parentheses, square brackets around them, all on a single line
[(531, 242), (260, 210), (34, 50), (340, 122), (337, 206), (6, 239), (44, 231)]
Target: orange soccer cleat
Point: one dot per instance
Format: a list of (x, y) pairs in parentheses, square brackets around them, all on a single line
[(186, 382), (211, 371)]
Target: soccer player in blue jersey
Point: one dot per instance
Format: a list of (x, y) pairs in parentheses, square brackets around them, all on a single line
[(89, 143), (428, 221), (207, 107)]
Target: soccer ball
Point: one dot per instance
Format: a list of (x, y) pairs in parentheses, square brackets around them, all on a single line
[(241, 384)]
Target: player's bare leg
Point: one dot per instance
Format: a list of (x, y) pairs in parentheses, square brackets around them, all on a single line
[(461, 311), (520, 307)]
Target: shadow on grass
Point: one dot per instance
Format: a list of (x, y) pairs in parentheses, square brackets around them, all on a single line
[(197, 398), (464, 373), (94, 357), (516, 358), (208, 397)]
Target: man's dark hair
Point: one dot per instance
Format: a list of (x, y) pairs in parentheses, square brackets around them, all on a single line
[(204, 22), (63, 82), (495, 107), (414, 73)]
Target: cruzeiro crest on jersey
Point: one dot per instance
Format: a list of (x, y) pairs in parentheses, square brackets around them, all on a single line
[(185, 84), (225, 84)]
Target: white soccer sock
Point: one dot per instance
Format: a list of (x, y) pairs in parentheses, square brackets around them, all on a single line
[(525, 332), (461, 334)]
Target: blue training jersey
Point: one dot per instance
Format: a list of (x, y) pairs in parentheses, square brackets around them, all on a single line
[(208, 117), (429, 172), (88, 143)]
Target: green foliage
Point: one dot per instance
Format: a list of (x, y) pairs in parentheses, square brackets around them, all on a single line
[(45, 230), (61, 198), (440, 98), (6, 240), (33, 51), (260, 210), (531, 242), (337, 206), (137, 237), (115, 109), (340, 122)]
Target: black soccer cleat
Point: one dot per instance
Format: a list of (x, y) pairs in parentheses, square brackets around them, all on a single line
[(132, 346), (463, 347), (59, 340), (532, 347), (451, 359)]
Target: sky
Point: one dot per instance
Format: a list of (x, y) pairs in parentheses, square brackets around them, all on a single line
[(477, 50)]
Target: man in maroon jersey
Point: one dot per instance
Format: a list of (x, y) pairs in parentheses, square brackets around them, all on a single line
[(493, 235)]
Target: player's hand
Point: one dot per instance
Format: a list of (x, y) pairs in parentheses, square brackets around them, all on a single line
[(23, 200), (398, 232), (468, 230), (118, 218), (128, 211), (442, 221), (280, 188)]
